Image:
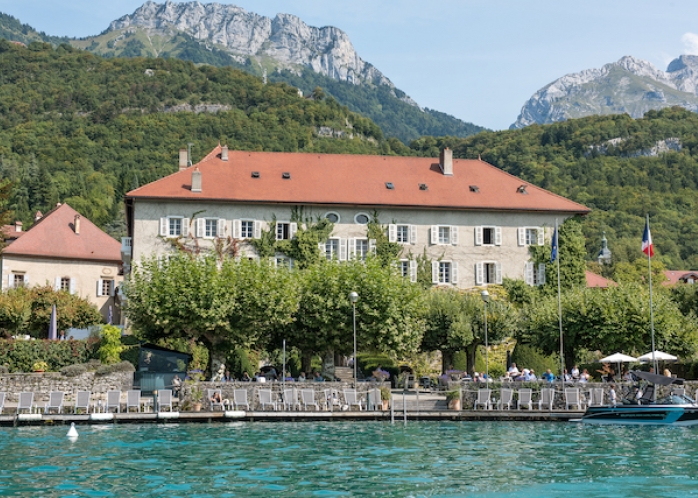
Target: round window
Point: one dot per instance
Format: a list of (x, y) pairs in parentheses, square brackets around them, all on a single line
[(332, 217), (361, 218)]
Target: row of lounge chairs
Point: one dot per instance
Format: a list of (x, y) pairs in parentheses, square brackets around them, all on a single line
[(85, 403), (297, 399), (573, 398)]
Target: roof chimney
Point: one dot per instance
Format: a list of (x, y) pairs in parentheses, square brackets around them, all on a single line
[(196, 180), (76, 224), (183, 159), (446, 161), (224, 153), (38, 216), (18, 226)]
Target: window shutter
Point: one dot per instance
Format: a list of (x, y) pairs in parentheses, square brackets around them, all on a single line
[(293, 228), (257, 229), (541, 274), (497, 273), (200, 224), (435, 272), (372, 246), (498, 236), (522, 236), (351, 248), (57, 284), (10, 280), (220, 229), (26, 279), (72, 286), (164, 227), (112, 287), (99, 288), (528, 273), (413, 234), (392, 233), (541, 236), (342, 249), (413, 270), (478, 236), (322, 248), (279, 228), (479, 270), (454, 235), (434, 232), (185, 227), (237, 228), (272, 260), (454, 272)]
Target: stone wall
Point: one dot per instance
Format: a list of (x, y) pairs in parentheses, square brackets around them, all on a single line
[(41, 384)]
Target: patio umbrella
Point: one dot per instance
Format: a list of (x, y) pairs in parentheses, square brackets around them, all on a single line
[(618, 358), (52, 326), (658, 355)]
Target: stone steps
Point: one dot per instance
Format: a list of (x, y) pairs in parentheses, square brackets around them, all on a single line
[(346, 374)]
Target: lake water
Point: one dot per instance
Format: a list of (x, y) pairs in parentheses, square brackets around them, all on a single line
[(431, 459)]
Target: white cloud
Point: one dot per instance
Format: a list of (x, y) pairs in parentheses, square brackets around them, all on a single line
[(690, 43)]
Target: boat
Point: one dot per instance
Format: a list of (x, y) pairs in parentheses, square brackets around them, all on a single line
[(643, 409)]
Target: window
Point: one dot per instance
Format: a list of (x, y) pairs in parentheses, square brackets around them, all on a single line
[(285, 230), (105, 287), (534, 274), (332, 217), (334, 249), (246, 229), (488, 272), (362, 219), (174, 226), (210, 228), (444, 272), (402, 234), (444, 235), (488, 236), (283, 262), (531, 236), (360, 248), (17, 279), (408, 269)]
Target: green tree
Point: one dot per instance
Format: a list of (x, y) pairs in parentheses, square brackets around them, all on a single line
[(110, 347)]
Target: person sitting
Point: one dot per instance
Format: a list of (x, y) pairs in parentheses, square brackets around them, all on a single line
[(226, 376), (532, 376), (259, 377), (301, 377), (216, 398), (548, 376), (513, 371), (584, 376), (317, 377), (566, 376), (575, 373), (245, 377)]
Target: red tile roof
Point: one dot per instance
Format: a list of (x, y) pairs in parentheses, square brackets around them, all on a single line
[(594, 280), (53, 236), (355, 180), (10, 233), (675, 276)]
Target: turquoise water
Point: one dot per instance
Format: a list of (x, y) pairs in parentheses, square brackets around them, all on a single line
[(434, 459)]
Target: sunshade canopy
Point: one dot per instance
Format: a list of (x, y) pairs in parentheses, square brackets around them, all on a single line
[(658, 355), (618, 358)]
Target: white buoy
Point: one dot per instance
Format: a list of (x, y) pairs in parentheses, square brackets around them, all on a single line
[(72, 432)]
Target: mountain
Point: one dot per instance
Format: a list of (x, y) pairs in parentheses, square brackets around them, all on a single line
[(630, 86), (280, 49)]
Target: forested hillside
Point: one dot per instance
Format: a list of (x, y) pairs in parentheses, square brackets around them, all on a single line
[(620, 180), (77, 128)]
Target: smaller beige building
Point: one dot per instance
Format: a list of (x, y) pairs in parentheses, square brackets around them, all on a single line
[(68, 252)]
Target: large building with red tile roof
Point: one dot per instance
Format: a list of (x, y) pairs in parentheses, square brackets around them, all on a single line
[(680, 276), (68, 252), (474, 220)]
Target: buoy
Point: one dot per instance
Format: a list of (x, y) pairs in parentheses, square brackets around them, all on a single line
[(72, 432)]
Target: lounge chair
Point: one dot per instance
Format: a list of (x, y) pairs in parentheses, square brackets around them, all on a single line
[(164, 399), (291, 399), (113, 401), (25, 402), (308, 398), (133, 400), (547, 398), (572, 398), (2, 401), (331, 398), (352, 399), (596, 396), (375, 399), (240, 398), (217, 401), (82, 401), (266, 398), (55, 402), (483, 399), (505, 399), (525, 396)]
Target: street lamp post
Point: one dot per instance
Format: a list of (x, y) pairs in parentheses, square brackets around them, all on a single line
[(485, 298), (353, 297)]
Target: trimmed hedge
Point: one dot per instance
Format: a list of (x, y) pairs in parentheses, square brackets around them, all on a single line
[(20, 355)]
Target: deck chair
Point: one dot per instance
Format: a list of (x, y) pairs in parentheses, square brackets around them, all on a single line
[(596, 396), (547, 398), (375, 401), (525, 398), (2, 401), (483, 399), (572, 398), (266, 398), (215, 403), (164, 399), (82, 401), (331, 398), (507, 395), (308, 399), (291, 399), (352, 399), (133, 400), (113, 401), (240, 398), (55, 402), (25, 402)]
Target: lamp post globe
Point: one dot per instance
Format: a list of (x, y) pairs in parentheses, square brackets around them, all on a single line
[(485, 299), (353, 297)]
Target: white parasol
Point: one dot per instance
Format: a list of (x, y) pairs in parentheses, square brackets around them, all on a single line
[(618, 358), (658, 355)]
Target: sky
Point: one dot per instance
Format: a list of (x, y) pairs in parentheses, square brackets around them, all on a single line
[(478, 60)]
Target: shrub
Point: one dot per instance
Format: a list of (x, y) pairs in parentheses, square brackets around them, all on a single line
[(73, 370), (123, 366), (4, 369), (110, 348), (20, 355), (526, 356)]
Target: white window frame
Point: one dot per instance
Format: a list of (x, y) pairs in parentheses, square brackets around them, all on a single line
[(352, 247), (282, 261), (410, 233), (534, 275), (437, 272), (480, 235), (202, 225), (165, 228), (481, 276), (524, 240), (58, 285), (100, 287), (255, 225), (339, 254), (13, 279), (292, 229), (452, 235)]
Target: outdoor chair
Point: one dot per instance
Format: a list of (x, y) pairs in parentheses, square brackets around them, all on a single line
[(352, 399), (113, 401), (505, 399), (2, 401), (266, 398), (25, 402), (525, 398), (572, 398), (547, 398), (331, 398), (291, 399), (308, 398), (596, 396), (215, 401), (240, 398), (375, 400), (55, 402), (164, 399), (483, 399), (133, 400), (82, 401)]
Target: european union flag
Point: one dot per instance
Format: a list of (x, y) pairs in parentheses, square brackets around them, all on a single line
[(553, 254)]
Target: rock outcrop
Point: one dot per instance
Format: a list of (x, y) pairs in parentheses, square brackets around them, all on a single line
[(631, 86)]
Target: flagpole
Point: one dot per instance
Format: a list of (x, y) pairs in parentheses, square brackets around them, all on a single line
[(559, 309), (649, 267)]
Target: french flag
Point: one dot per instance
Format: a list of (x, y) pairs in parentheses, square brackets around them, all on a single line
[(647, 240)]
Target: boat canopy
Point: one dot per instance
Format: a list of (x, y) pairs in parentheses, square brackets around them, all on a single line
[(660, 380)]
